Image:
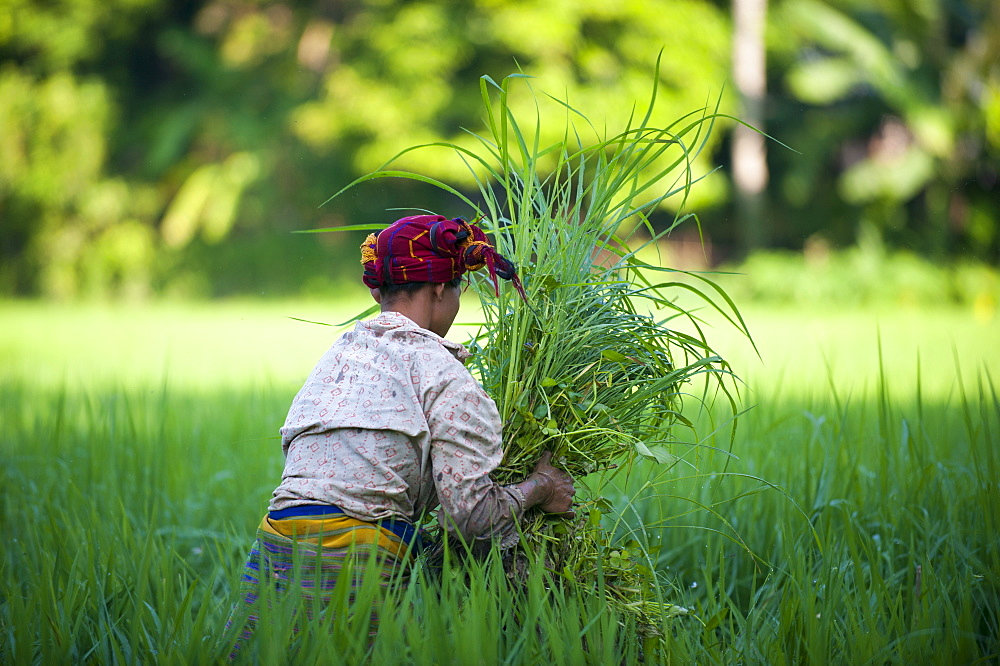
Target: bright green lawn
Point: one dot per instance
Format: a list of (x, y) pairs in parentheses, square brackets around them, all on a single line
[(857, 522)]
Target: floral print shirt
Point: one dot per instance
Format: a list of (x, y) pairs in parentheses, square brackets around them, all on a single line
[(391, 424)]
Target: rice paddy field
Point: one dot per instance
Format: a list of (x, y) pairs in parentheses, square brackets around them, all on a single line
[(852, 517)]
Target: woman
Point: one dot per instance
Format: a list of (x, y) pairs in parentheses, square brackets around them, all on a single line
[(390, 425)]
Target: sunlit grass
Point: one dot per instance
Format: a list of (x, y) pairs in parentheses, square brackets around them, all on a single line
[(185, 346), (878, 545), (232, 343), (857, 523)]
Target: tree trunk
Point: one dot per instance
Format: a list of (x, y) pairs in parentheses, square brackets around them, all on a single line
[(749, 153)]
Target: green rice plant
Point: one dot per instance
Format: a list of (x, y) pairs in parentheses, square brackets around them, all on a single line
[(592, 364), (880, 547), (128, 509)]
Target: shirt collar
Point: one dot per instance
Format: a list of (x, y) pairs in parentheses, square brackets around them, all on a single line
[(391, 320)]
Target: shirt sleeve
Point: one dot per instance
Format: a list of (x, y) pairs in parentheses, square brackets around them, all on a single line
[(465, 449)]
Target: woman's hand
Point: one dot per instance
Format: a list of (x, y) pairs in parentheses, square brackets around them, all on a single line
[(549, 488)]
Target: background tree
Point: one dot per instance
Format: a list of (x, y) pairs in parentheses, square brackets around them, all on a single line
[(889, 106), (154, 146), (749, 151)]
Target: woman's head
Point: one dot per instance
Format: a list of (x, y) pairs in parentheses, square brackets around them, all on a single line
[(430, 249), (415, 267)]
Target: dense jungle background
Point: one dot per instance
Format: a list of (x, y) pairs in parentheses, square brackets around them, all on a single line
[(170, 148)]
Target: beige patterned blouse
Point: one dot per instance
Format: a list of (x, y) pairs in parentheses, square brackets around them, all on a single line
[(391, 424)]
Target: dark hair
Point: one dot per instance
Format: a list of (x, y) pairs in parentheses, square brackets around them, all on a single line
[(390, 291)]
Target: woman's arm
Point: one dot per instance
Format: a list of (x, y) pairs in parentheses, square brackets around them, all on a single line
[(465, 450)]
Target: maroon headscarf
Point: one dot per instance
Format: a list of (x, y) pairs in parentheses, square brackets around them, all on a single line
[(432, 248)]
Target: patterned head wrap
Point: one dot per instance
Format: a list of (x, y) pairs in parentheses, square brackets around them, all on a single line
[(432, 248)]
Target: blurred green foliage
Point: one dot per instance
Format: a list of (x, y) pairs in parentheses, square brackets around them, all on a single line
[(863, 276), (889, 104), (170, 147)]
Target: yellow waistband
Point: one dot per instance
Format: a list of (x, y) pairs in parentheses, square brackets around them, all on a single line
[(335, 531)]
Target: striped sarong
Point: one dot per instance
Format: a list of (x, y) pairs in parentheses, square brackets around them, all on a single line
[(311, 549)]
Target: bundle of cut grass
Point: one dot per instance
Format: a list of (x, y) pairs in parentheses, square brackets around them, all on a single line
[(583, 367)]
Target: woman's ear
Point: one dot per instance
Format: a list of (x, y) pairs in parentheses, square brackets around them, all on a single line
[(377, 295), (437, 290)]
